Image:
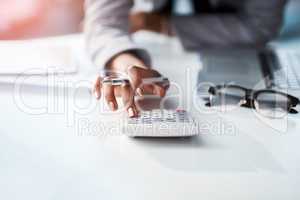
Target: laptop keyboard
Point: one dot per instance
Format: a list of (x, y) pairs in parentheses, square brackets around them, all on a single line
[(289, 74)]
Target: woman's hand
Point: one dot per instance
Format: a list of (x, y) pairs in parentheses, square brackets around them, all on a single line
[(136, 72)]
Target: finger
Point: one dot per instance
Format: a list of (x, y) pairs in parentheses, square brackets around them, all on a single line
[(153, 89), (166, 84), (108, 91), (117, 91), (97, 88), (159, 90), (134, 77), (128, 100), (142, 86), (144, 90), (135, 73)]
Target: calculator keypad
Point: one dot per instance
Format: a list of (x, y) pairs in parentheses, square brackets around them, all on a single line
[(161, 116)]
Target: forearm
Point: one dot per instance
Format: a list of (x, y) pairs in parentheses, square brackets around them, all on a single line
[(106, 31)]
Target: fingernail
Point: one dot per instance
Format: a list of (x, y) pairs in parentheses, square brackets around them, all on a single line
[(130, 112), (158, 92), (111, 105), (139, 91), (162, 93), (97, 95)]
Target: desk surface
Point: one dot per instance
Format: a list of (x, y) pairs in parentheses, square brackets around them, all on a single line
[(57, 151)]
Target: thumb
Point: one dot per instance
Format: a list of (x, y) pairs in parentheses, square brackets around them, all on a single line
[(135, 74)]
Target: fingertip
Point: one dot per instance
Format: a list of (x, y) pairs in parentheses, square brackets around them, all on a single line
[(97, 83), (97, 94), (163, 93), (159, 91), (112, 105), (97, 88), (131, 112), (139, 91)]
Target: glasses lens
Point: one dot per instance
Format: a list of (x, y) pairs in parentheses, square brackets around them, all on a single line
[(227, 98), (272, 105)]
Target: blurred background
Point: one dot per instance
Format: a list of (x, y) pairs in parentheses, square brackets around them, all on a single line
[(23, 19)]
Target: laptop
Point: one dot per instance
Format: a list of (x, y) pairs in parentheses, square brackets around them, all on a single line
[(277, 69)]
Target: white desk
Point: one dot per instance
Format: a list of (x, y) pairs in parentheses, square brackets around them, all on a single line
[(52, 156)]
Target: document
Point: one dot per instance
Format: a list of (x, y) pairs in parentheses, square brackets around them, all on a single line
[(30, 57), (47, 62)]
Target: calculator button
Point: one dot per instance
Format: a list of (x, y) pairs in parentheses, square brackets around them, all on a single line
[(170, 120)]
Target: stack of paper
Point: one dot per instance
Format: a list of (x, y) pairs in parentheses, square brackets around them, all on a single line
[(35, 62)]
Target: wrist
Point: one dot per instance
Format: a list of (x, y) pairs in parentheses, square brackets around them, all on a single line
[(122, 62)]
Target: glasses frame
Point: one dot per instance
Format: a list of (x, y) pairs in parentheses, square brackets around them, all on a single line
[(250, 98)]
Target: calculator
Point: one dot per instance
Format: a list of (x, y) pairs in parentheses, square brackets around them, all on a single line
[(161, 123)]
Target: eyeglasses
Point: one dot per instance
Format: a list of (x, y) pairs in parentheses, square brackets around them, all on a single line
[(269, 103)]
